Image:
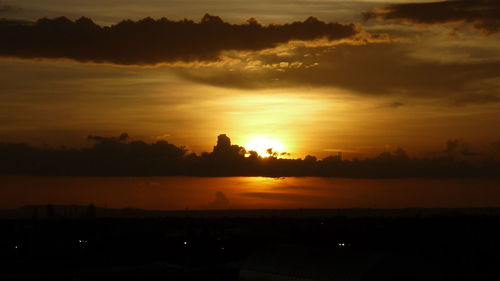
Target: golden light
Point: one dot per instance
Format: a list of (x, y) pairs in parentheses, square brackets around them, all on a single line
[(262, 143)]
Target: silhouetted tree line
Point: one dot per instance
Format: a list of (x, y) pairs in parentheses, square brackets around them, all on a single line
[(116, 156)]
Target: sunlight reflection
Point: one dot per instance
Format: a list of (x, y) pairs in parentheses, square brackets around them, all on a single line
[(260, 184)]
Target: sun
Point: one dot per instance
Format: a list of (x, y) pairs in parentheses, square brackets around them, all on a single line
[(262, 143)]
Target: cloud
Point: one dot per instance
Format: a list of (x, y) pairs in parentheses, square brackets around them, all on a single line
[(496, 145), (111, 157), (458, 147), (150, 42), (5, 8), (282, 196), (373, 69), (220, 201), (121, 138), (483, 15), (395, 104)]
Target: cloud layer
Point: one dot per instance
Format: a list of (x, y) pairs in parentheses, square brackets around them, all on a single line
[(374, 69), (484, 15), (113, 156), (149, 41)]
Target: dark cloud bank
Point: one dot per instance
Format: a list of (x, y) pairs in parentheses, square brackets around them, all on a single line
[(149, 41), (115, 156), (484, 15)]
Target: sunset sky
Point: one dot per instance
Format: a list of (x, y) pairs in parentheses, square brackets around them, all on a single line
[(412, 75)]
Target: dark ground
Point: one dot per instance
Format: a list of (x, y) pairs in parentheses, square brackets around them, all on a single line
[(450, 245)]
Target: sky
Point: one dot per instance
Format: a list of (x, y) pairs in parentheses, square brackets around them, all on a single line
[(359, 77)]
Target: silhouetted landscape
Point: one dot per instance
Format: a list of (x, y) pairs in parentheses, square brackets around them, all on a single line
[(89, 243)]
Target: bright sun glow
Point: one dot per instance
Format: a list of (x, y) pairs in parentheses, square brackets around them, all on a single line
[(262, 143)]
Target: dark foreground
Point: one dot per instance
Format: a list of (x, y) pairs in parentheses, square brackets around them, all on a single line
[(389, 245)]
